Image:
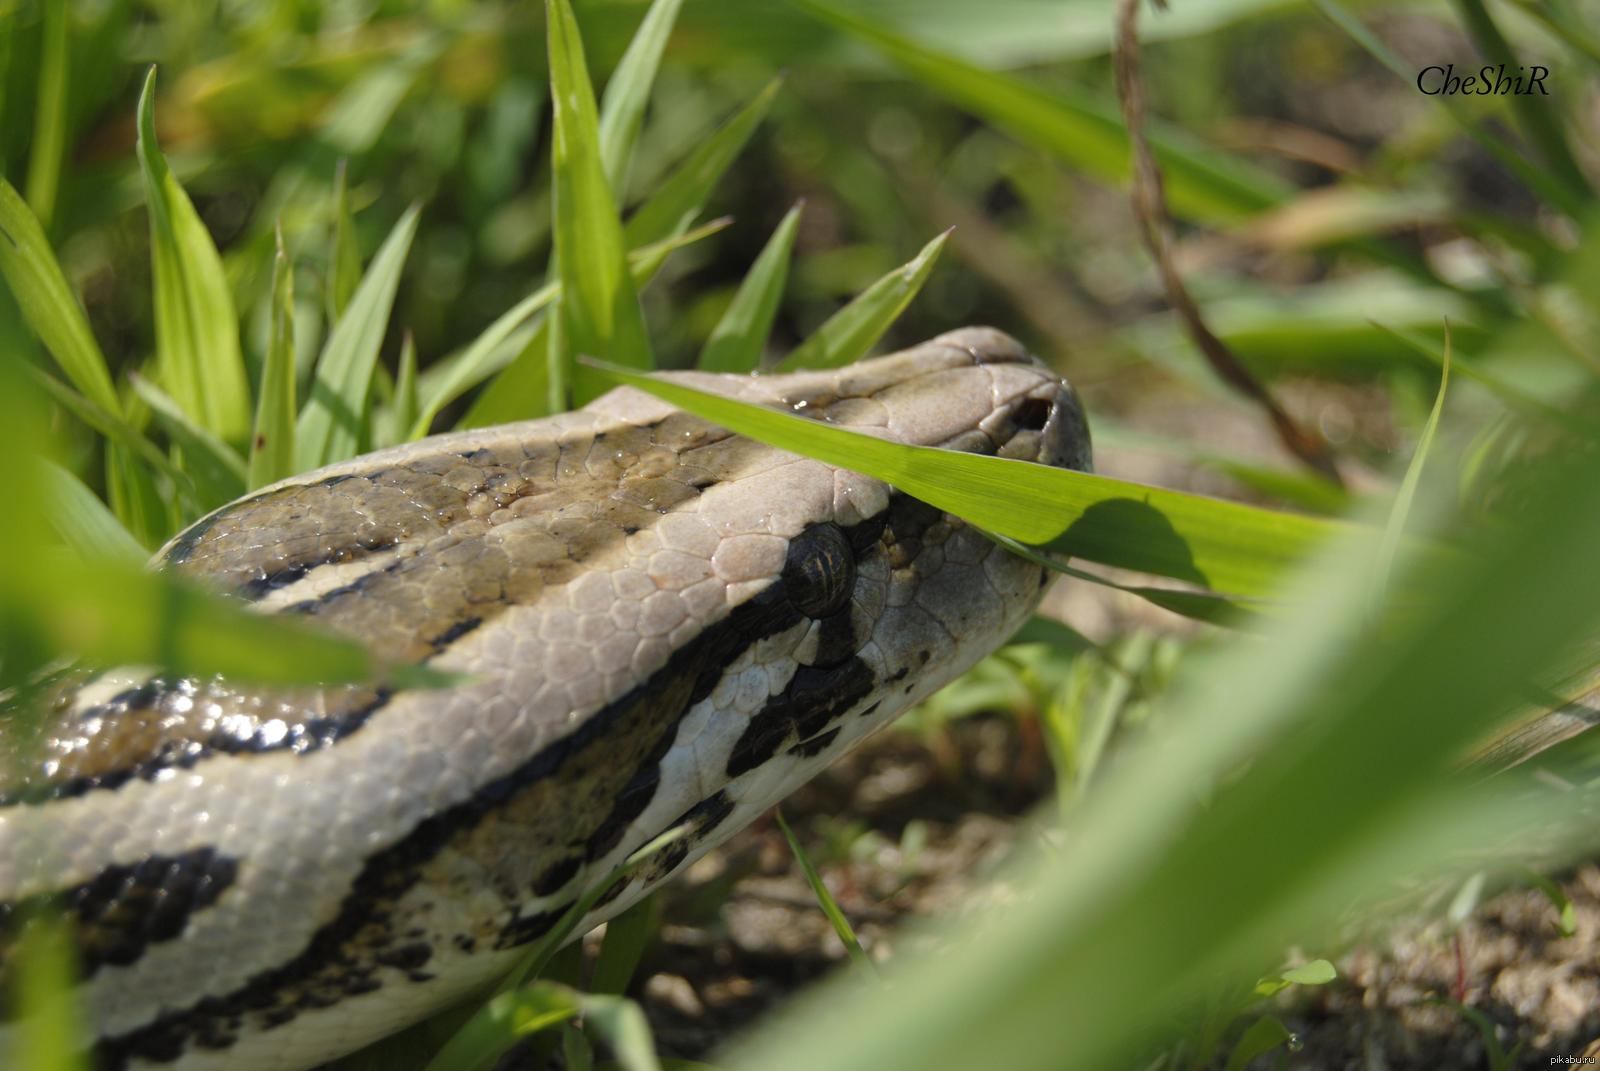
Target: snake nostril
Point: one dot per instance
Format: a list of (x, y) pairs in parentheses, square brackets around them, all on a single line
[(1032, 415)]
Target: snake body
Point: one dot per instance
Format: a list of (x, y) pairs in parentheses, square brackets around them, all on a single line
[(656, 623)]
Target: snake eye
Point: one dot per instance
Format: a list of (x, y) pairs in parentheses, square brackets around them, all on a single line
[(820, 571)]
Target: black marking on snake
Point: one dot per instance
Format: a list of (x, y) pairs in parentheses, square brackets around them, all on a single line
[(814, 698), (277, 579), (700, 819), (454, 633), (816, 745), (355, 587), (178, 753), (123, 910), (836, 640), (527, 930), (709, 813), (185, 542), (345, 477), (630, 802), (406, 957), (556, 875), (336, 961)]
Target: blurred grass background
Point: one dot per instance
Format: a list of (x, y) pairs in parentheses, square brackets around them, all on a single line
[(1347, 196)]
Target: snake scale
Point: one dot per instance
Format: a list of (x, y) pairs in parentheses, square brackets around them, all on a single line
[(655, 623)]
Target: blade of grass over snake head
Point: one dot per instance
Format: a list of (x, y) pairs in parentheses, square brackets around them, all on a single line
[(1225, 546)]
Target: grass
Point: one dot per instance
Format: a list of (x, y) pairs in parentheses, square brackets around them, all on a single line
[(1287, 772)]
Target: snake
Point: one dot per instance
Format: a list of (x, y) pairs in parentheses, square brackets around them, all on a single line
[(648, 623)]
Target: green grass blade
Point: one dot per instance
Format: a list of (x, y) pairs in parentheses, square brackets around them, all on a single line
[(737, 342), (114, 427), (1207, 606), (335, 415), (599, 310), (627, 937), (218, 472), (487, 1033), (113, 614), (623, 104), (576, 1052), (198, 360), (1225, 546), (849, 333), (467, 371), (344, 255), (1082, 131), (830, 907), (503, 1021), (272, 440), (83, 521), (49, 116), (523, 393), (681, 197), (358, 116), (48, 1024), (48, 304), (1395, 527), (1513, 397), (135, 500), (405, 407), (622, 1026), (1260, 1037)]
